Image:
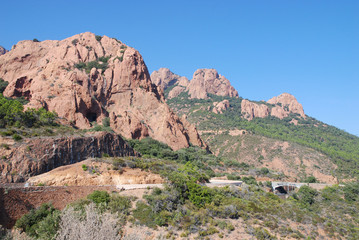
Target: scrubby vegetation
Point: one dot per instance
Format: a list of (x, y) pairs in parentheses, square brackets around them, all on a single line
[(16, 122), (100, 63), (12, 114), (186, 207), (341, 147), (101, 214)]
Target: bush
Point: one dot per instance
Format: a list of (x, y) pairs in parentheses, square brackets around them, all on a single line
[(75, 41), (98, 37), (351, 192), (84, 167), (37, 221), (3, 85), (99, 197), (306, 196), (16, 137), (35, 40), (144, 214), (106, 122), (310, 179)]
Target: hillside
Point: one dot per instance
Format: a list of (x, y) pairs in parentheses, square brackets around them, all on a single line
[(326, 151)]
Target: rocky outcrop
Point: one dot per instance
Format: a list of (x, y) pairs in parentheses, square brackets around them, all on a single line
[(164, 78), (251, 110), (280, 107), (41, 155), (208, 81), (219, 107), (85, 78), (3, 50), (204, 82), (285, 105)]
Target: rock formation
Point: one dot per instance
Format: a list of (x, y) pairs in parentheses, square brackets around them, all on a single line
[(86, 78), (41, 155), (251, 110), (164, 78), (204, 82), (3, 50), (207, 81), (286, 104), (282, 106), (219, 107)]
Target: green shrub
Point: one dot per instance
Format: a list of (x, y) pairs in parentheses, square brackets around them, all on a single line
[(35, 40), (37, 221), (99, 197), (144, 214), (351, 192), (106, 122), (16, 137), (3, 85), (98, 37), (75, 41), (310, 179), (306, 196), (84, 167)]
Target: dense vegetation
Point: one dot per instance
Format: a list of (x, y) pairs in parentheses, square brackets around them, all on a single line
[(340, 146), (12, 114)]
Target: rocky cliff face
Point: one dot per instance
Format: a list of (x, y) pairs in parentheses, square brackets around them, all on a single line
[(85, 78), (251, 110), (207, 81), (41, 155), (164, 78), (204, 82), (3, 50), (284, 105)]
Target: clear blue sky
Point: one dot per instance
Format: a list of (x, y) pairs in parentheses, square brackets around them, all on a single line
[(307, 48)]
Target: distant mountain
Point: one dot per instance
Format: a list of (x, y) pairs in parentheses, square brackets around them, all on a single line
[(275, 134)]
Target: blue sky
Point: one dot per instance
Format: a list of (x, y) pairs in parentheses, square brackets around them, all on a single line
[(307, 48)]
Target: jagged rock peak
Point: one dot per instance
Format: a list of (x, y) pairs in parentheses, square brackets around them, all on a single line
[(86, 78), (204, 82), (3, 50), (207, 81), (281, 106), (287, 104), (164, 78)]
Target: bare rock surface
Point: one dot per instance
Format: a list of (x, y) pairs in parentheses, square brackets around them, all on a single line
[(164, 78), (204, 82), (283, 106), (115, 84), (219, 107), (207, 81), (41, 155), (251, 110), (287, 104)]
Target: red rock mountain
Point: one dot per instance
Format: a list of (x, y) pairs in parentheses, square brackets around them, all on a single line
[(87, 78), (280, 107), (3, 50), (204, 82)]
